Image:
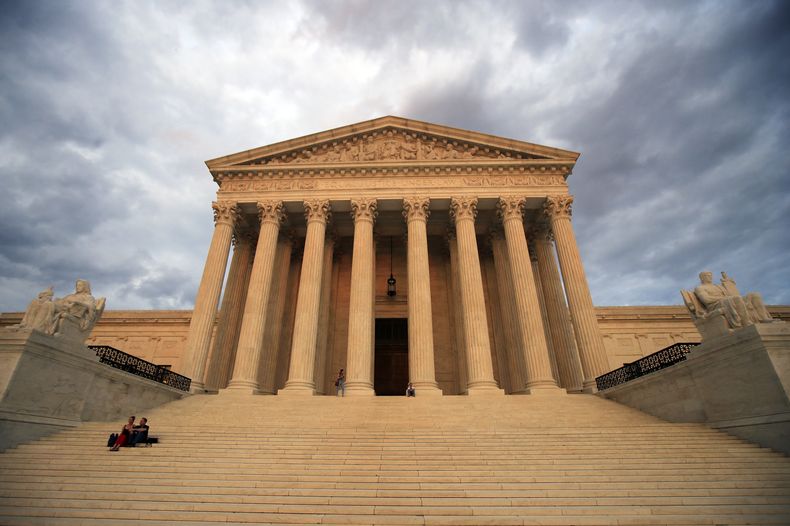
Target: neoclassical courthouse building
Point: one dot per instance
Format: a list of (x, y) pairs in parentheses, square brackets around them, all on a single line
[(399, 251)]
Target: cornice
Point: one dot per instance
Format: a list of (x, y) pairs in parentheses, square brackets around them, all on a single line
[(407, 125)]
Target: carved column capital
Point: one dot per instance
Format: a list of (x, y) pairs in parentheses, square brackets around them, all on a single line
[(416, 208), (317, 210), (463, 208), (364, 210), (270, 212), (495, 234), (511, 207), (558, 206), (540, 231), (225, 212)]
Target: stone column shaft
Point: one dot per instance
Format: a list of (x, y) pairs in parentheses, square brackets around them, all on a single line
[(480, 372), (530, 323), (543, 315), (515, 352), (267, 368), (359, 374), (588, 336), (323, 316), (569, 368), (302, 367), (207, 299), (253, 324), (422, 371), (456, 304), (230, 314)]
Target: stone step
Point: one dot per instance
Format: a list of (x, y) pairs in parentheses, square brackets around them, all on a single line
[(375, 461)]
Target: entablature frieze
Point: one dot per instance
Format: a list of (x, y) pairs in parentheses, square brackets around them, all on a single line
[(433, 182), (432, 187)]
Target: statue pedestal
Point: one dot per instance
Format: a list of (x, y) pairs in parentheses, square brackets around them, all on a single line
[(48, 384), (739, 383)]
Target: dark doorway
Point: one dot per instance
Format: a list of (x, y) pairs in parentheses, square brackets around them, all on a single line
[(391, 373)]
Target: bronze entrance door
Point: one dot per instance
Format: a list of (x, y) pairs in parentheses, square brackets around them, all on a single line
[(391, 374)]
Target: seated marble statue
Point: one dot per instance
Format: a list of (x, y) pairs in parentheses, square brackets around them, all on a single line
[(71, 316), (718, 309), (40, 312)]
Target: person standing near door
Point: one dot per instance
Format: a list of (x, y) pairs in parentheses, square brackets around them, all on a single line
[(340, 383)]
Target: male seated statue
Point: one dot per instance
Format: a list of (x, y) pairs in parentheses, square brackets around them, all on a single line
[(739, 311)]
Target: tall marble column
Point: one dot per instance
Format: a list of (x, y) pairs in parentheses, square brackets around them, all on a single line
[(507, 299), (253, 323), (529, 321), (267, 368), (585, 324), (480, 371), (422, 371), (569, 367), (230, 313), (226, 213), (324, 315), (533, 259), (359, 374), (305, 333), (453, 299)]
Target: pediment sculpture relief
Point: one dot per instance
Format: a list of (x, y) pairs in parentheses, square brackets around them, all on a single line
[(718, 309), (71, 317), (391, 145)]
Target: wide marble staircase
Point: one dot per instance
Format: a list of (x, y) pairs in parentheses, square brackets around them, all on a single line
[(241, 459)]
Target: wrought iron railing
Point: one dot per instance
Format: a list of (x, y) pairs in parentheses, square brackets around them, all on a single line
[(132, 364), (650, 363)]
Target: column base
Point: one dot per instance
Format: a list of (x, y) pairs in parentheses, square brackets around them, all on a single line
[(589, 387), (242, 385), (240, 390), (360, 390), (485, 391), (297, 388), (546, 391), (426, 390), (197, 388)]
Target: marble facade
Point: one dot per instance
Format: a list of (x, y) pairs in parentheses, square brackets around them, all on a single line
[(348, 190)]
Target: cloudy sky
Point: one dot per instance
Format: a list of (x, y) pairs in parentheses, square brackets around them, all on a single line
[(109, 109)]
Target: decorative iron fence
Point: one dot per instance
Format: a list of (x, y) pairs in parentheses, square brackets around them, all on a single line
[(650, 363), (132, 364)]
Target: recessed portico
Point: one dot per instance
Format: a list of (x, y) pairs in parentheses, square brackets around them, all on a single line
[(320, 223)]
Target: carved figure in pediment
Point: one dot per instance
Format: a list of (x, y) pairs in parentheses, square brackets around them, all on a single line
[(334, 154)]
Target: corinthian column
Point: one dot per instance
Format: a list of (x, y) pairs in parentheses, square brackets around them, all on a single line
[(569, 368), (248, 353), (203, 316), (267, 368), (585, 325), (507, 310), (323, 315), (529, 322), (480, 371), (230, 313), (360, 315), (421, 367), (305, 333)]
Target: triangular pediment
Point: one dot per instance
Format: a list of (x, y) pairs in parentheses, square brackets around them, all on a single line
[(390, 139)]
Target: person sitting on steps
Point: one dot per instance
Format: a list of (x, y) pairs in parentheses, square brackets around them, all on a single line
[(410, 391), (126, 432), (139, 433)]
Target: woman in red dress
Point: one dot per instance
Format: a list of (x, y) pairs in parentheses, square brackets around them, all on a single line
[(125, 434)]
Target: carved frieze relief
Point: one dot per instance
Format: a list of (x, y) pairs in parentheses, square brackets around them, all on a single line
[(391, 144), (343, 183)]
